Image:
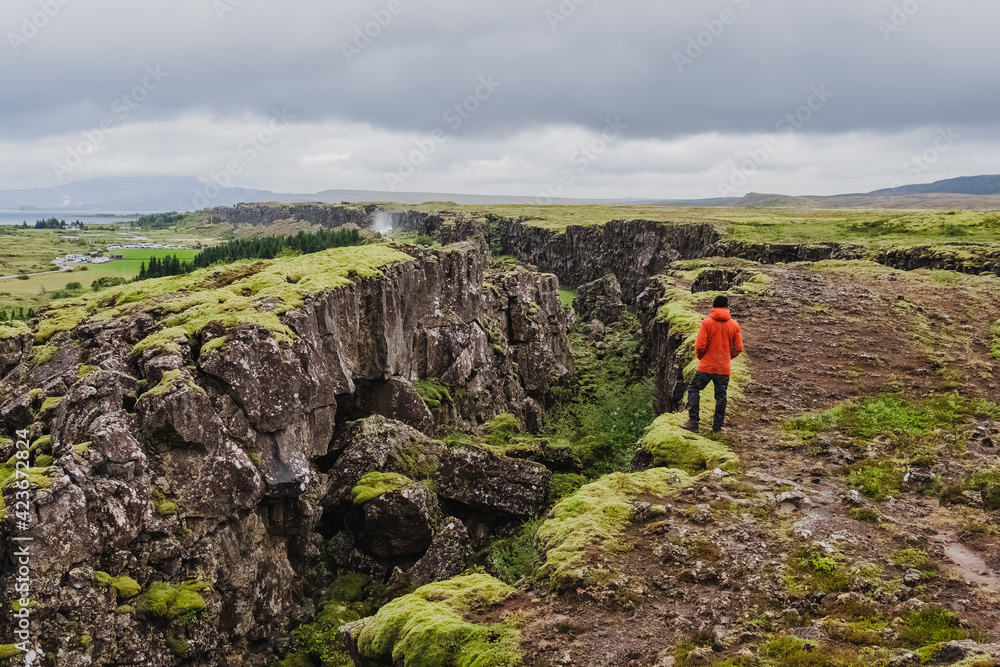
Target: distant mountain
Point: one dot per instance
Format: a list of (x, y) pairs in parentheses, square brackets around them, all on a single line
[(129, 195), (758, 200), (964, 185)]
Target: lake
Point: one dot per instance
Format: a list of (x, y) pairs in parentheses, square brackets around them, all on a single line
[(86, 217)]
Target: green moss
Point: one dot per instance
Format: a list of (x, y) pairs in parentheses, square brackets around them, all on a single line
[(42, 444), (178, 645), (84, 370), (13, 329), (516, 557), (433, 393), (9, 651), (427, 628), (812, 570), (911, 558), (297, 659), (672, 446), (170, 381), (48, 407), (597, 513), (341, 602), (566, 297), (124, 587), (878, 481), (861, 632), (501, 429), (931, 626), (231, 295), (995, 343), (124, 609), (168, 602), (162, 504), (44, 355), (43, 460), (81, 449), (866, 515), (564, 484), (374, 484)]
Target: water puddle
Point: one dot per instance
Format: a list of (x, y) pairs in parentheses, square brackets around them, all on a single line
[(972, 568)]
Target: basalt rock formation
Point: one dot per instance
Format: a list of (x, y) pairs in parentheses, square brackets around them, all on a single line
[(180, 490)]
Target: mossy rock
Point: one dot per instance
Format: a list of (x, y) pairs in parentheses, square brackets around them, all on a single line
[(672, 446), (162, 504), (124, 587), (168, 602), (375, 484), (597, 514), (427, 628)]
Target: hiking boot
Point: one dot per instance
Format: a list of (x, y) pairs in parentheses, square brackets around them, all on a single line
[(690, 425), (717, 431)]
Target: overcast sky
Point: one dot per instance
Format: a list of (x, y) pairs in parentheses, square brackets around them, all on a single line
[(581, 98)]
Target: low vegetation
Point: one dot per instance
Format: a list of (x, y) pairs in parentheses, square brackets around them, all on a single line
[(427, 628), (596, 514)]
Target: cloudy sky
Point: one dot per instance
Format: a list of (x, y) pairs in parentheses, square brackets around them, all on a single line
[(580, 98)]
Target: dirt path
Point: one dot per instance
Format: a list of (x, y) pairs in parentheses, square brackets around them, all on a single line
[(818, 339)]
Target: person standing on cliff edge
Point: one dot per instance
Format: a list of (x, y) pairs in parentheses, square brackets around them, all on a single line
[(719, 342)]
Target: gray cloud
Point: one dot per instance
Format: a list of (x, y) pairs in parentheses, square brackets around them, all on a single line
[(757, 61)]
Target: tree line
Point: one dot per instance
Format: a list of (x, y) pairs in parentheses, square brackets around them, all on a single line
[(267, 247), (22, 314)]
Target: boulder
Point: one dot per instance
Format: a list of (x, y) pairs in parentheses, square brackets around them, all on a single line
[(486, 481), (400, 522), (600, 300), (378, 444), (395, 399), (447, 555)]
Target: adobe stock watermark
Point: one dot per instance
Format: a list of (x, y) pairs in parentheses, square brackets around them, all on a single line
[(582, 158), (248, 150), (22, 543), (365, 35), (900, 16), (714, 29), (920, 163), (32, 25), (121, 108), (756, 158), (455, 116), (562, 13), (225, 7)]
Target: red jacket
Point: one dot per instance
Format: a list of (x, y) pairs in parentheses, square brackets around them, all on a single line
[(719, 342)]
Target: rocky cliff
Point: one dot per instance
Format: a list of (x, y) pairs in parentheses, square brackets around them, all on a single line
[(187, 458), (633, 250)]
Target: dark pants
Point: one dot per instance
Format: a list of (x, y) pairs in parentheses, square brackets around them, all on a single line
[(701, 381)]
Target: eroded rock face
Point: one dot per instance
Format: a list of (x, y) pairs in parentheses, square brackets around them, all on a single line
[(633, 250), (218, 467), (599, 300)]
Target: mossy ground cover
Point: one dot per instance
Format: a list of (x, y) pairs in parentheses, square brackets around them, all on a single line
[(317, 642), (674, 447), (427, 628), (995, 342), (608, 407), (597, 514), (125, 587), (231, 295)]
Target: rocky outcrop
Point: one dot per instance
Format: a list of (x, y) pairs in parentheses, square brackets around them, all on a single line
[(327, 215), (784, 253), (223, 465), (600, 300), (633, 250), (662, 350)]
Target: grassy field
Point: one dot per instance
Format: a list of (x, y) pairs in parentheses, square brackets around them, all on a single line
[(32, 251), (764, 224)]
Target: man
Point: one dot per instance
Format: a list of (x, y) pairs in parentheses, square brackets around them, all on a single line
[(719, 342)]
